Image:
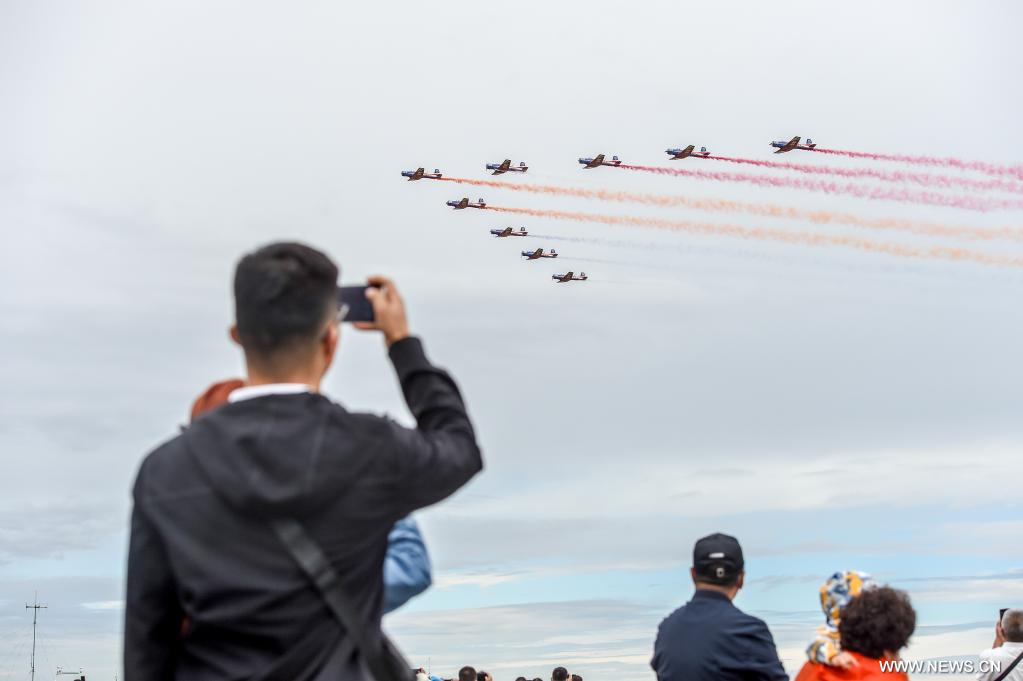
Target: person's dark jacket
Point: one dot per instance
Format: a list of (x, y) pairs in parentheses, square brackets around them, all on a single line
[(709, 639), (211, 591)]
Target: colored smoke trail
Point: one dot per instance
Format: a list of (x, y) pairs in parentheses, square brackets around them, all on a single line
[(922, 179), (859, 191), (821, 217), (768, 234), (948, 162)]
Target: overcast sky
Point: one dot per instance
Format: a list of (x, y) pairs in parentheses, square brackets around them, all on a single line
[(833, 409)]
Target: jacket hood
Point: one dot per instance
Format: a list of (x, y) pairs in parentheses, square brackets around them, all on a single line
[(278, 455)]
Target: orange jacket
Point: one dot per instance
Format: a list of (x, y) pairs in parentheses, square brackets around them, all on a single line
[(868, 669), (214, 396)]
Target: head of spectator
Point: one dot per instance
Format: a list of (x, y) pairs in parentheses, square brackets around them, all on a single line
[(559, 674), (467, 673), (537, 679), (286, 305), (520, 678), (576, 677), (1011, 626), (718, 564), (484, 676), (877, 623)]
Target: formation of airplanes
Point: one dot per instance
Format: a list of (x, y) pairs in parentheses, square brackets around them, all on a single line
[(793, 143), (687, 152), (506, 166), (598, 160), (466, 203), (419, 174), (538, 253)]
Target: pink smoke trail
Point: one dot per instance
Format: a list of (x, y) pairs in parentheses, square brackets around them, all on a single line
[(949, 162), (922, 179), (770, 210), (769, 234), (859, 191)]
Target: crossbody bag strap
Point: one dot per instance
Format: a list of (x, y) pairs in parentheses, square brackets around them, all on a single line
[(382, 659), (1006, 672)]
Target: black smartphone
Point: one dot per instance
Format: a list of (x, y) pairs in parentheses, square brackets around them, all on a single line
[(356, 306)]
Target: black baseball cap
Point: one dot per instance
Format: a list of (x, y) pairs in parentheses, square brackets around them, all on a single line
[(717, 558)]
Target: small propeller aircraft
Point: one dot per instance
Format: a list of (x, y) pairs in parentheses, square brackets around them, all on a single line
[(687, 152), (569, 276), (506, 166), (508, 231), (538, 253), (793, 143), (419, 174), (598, 160), (465, 203)]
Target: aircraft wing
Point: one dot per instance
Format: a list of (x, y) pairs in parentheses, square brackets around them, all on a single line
[(597, 160), (790, 145)]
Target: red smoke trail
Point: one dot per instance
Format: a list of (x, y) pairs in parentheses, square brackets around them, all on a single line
[(959, 164), (822, 217), (922, 179), (859, 191), (768, 234)]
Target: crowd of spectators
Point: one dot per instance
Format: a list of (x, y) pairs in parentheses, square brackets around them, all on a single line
[(468, 673), (269, 536)]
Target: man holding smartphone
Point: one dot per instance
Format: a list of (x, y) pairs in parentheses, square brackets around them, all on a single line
[(206, 547), (1002, 661)]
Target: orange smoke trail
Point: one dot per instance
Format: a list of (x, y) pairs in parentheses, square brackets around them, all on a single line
[(768, 234), (822, 217)]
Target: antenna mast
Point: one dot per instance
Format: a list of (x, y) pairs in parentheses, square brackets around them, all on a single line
[(35, 616)]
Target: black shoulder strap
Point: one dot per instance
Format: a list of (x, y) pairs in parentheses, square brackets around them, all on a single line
[(1008, 670), (382, 659)]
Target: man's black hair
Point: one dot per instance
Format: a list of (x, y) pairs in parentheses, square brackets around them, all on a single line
[(576, 677), (481, 675), (467, 673), (283, 292), (559, 674), (877, 620)]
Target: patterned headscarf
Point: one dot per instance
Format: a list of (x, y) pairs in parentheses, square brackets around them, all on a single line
[(841, 588)]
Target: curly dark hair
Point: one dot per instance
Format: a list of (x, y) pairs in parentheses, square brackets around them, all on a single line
[(877, 620)]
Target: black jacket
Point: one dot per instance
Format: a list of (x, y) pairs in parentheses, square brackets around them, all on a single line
[(211, 591), (709, 639)]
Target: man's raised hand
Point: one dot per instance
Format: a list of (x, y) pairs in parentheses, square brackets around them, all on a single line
[(388, 310)]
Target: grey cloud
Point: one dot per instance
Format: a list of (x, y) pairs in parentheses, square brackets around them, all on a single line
[(133, 179), (55, 529)]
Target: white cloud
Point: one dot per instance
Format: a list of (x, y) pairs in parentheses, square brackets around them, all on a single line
[(104, 605)]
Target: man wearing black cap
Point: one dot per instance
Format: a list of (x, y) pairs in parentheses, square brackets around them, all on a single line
[(708, 638)]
